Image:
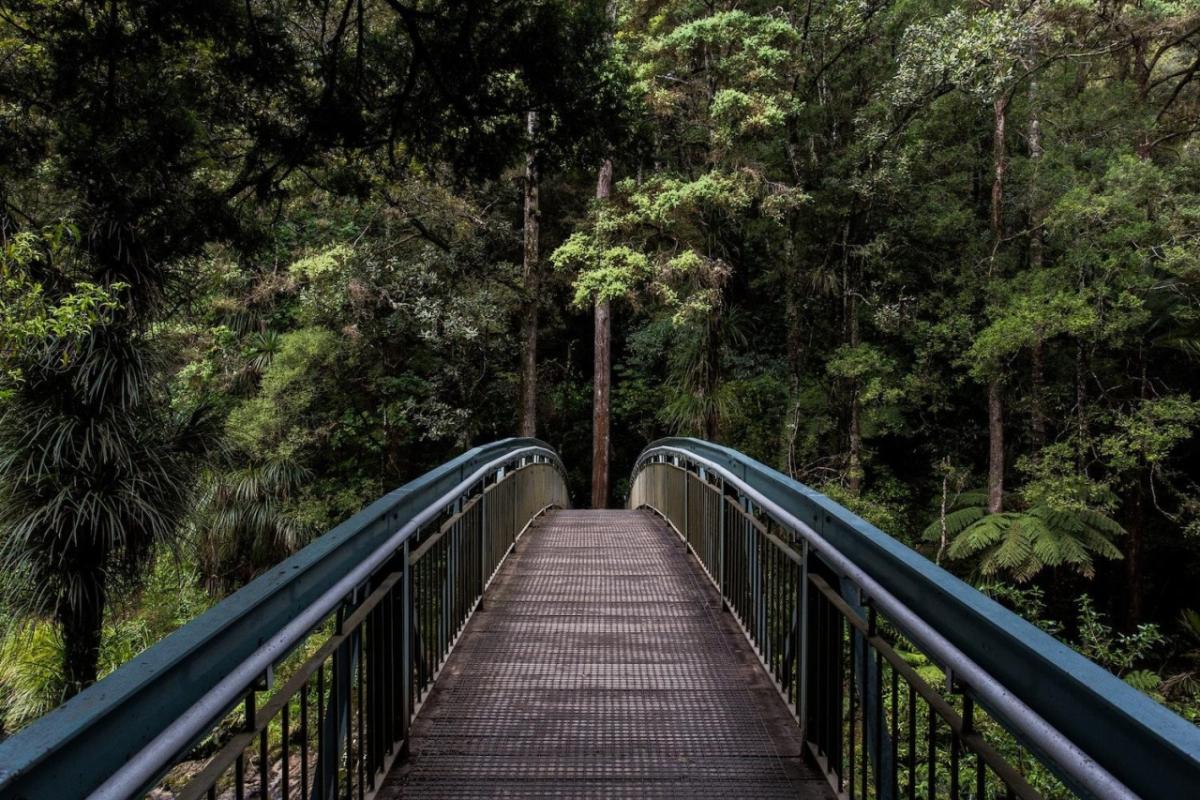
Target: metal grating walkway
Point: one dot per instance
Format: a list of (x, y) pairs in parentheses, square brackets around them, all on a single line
[(601, 666)]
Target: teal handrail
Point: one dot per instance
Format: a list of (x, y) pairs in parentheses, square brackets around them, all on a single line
[(74, 749), (1120, 731)]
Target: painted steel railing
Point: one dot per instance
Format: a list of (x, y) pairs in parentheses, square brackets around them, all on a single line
[(857, 630), (304, 683)]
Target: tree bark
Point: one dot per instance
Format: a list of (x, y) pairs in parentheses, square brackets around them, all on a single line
[(999, 168), (82, 623), (854, 470), (1037, 215), (532, 278), (1133, 560), (995, 402), (995, 447), (601, 372), (1038, 379)]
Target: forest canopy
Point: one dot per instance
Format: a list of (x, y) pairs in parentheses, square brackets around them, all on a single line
[(261, 262)]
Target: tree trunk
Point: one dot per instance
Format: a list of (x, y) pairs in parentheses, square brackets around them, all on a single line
[(1037, 215), (1038, 379), (995, 400), (82, 622), (1133, 560), (1081, 398), (995, 448), (533, 280), (854, 470), (999, 167), (601, 372)]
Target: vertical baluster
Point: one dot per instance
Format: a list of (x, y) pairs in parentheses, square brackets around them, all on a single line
[(362, 731), (867, 701), (346, 696), (821, 660), (842, 682), (912, 743), (968, 722), (285, 765), (955, 752), (851, 693), (894, 768), (877, 700), (239, 777), (264, 762), (932, 760), (304, 740), (406, 647)]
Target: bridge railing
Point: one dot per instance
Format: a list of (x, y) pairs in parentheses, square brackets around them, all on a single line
[(304, 682), (906, 681)]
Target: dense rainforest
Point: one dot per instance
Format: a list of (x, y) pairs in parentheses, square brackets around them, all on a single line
[(262, 261)]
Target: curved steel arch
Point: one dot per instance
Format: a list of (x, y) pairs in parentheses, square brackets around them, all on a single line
[(116, 738), (1105, 738)]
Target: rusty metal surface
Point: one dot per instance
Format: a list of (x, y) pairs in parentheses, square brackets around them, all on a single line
[(601, 665)]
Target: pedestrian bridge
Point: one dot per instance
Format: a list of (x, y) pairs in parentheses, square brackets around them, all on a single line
[(731, 634)]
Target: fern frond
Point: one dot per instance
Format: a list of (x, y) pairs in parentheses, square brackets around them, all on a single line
[(1099, 522), (969, 498), (956, 522), (979, 535), (1014, 550)]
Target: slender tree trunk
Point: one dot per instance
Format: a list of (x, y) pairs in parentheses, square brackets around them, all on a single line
[(999, 168), (601, 372), (82, 622), (1135, 542), (533, 281), (1081, 399), (795, 357), (711, 382), (995, 447), (1037, 214), (854, 476), (995, 401), (1038, 379), (1133, 559)]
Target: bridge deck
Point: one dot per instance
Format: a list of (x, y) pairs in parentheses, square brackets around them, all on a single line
[(601, 665)]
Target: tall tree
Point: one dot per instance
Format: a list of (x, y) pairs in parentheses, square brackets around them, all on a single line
[(601, 369), (160, 128), (532, 273)]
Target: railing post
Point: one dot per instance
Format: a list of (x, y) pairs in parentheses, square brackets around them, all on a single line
[(755, 573), (721, 545), (802, 642), (336, 713), (687, 516), (483, 576), (406, 649)]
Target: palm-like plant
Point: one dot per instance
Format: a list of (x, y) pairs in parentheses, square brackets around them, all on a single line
[(243, 522), (94, 474), (1187, 682), (699, 399), (1021, 544)]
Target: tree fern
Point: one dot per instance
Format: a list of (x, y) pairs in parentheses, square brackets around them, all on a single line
[(1020, 544)]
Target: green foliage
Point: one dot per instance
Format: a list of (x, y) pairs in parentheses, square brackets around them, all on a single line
[(32, 322), (1119, 652), (313, 239), (245, 521), (1147, 434), (1020, 544)]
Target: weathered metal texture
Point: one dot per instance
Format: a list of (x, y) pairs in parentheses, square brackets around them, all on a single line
[(602, 665)]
